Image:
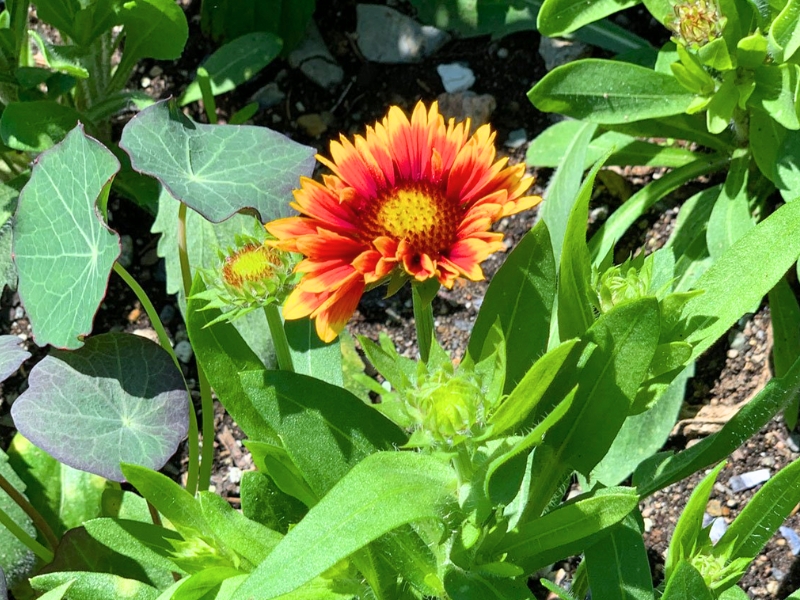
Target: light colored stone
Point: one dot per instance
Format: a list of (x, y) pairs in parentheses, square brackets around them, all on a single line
[(183, 350), (456, 77), (748, 480), (389, 37), (791, 536), (558, 51), (316, 62), (516, 139), (268, 96), (718, 529), (126, 251), (147, 332), (469, 105), (314, 124)]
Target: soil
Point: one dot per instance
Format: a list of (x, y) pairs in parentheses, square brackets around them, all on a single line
[(728, 375)]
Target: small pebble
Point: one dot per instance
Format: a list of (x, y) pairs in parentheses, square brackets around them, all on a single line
[(772, 587), (126, 251), (718, 529), (733, 353), (791, 536), (516, 139), (300, 107), (502, 53), (167, 314), (313, 124), (235, 475), (156, 71), (183, 350), (792, 442), (714, 508), (146, 81), (455, 77), (19, 312), (134, 315), (147, 332), (748, 480)]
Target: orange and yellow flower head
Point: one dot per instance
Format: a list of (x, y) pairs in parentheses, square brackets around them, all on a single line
[(417, 196)]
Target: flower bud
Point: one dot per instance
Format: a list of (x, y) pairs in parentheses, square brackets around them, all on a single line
[(697, 22)]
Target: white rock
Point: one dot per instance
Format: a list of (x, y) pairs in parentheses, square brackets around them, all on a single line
[(467, 105), (791, 537), (557, 51), (183, 350), (314, 59), (126, 251), (269, 95), (516, 139), (389, 37), (456, 77), (748, 480), (718, 528)]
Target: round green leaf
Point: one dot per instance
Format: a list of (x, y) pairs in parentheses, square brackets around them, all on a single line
[(608, 92), (63, 250), (153, 29), (36, 126), (12, 355), (120, 398), (217, 169)]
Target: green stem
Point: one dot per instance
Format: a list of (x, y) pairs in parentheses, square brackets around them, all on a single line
[(194, 433), (163, 339), (423, 320), (279, 339), (209, 103), (30, 510), (144, 300), (43, 553)]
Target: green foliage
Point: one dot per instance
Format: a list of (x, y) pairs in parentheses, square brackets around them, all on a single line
[(286, 19)]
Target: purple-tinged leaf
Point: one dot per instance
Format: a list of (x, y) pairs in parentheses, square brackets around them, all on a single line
[(117, 399), (12, 355), (217, 169), (63, 249)]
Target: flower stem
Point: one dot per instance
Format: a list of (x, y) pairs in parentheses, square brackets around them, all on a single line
[(30, 510), (194, 435), (422, 295), (279, 340), (40, 551)]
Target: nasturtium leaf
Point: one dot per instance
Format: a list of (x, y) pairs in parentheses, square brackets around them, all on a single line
[(383, 492), (12, 355), (16, 560), (63, 250), (64, 496), (602, 91), (217, 169), (95, 586), (235, 62), (120, 398), (37, 125)]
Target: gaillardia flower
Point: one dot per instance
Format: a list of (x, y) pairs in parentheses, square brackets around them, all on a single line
[(412, 198)]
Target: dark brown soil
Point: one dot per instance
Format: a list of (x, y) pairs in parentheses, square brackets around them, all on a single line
[(725, 377)]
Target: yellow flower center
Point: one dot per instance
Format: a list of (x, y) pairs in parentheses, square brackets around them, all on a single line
[(251, 263), (416, 212), (409, 213)]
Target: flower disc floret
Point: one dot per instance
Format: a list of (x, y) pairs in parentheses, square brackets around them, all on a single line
[(415, 198)]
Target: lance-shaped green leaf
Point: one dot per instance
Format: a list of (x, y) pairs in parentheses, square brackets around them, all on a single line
[(64, 496), (310, 355), (236, 62), (568, 529), (742, 276), (604, 91), (664, 469), (784, 32), (475, 585), (383, 492), (344, 430), (775, 93), (618, 566), (521, 296), (95, 586), (686, 583), (785, 314), (120, 398), (12, 355), (730, 218), (63, 250), (559, 17), (217, 169)]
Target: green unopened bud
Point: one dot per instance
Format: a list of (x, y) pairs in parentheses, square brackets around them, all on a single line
[(628, 281), (449, 409), (250, 275), (697, 22)]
